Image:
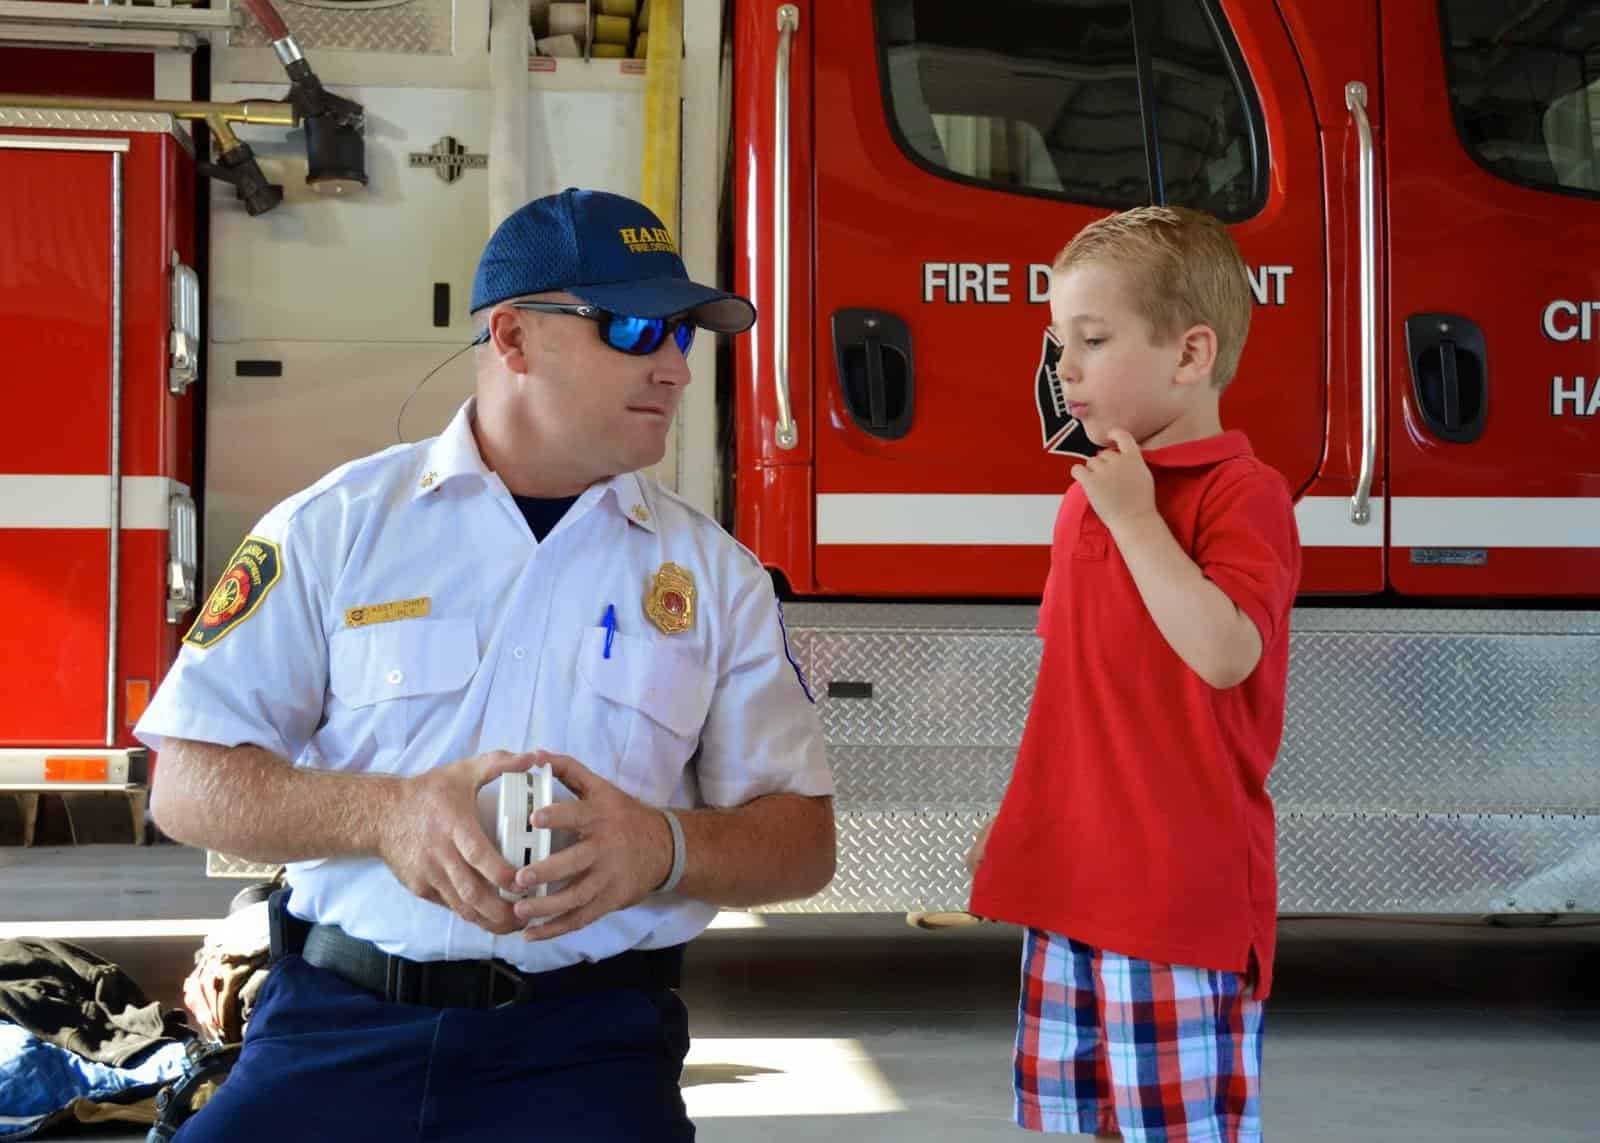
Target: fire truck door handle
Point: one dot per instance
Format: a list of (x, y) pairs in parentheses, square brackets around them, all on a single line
[(1449, 375), (785, 433), (1355, 99), (872, 350), (877, 400), (1452, 383)]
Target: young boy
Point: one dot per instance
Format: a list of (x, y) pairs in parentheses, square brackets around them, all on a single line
[(1136, 839)]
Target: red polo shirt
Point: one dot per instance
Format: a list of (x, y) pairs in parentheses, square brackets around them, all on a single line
[(1137, 819)]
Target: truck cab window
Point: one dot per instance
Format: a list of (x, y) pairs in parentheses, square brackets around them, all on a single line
[(1525, 89), (1042, 97)]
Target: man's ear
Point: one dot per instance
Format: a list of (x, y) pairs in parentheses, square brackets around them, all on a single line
[(509, 337), (1197, 355)]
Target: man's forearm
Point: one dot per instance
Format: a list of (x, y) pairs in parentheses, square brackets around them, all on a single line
[(250, 803), (1194, 615), (776, 848)]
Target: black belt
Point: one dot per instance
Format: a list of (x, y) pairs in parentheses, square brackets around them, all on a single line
[(468, 983)]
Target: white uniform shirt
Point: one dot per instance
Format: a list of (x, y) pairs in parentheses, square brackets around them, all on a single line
[(510, 656)]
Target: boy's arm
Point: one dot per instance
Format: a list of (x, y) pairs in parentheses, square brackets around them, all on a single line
[(1206, 629)]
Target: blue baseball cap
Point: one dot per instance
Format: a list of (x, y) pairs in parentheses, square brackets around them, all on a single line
[(607, 250)]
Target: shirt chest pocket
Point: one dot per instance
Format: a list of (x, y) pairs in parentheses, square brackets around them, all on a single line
[(394, 676), (1094, 541), (637, 713)]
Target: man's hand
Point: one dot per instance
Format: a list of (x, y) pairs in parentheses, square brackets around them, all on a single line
[(979, 844), (431, 839), (623, 851), (1118, 482)]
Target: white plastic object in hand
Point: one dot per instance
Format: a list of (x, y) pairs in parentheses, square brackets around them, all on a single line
[(522, 793)]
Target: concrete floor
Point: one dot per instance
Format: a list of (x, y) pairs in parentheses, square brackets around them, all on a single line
[(818, 1028)]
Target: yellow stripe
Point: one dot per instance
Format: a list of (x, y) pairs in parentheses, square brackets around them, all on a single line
[(663, 96)]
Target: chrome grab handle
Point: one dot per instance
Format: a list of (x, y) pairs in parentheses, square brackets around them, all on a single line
[(183, 557), (1355, 98), (787, 435)]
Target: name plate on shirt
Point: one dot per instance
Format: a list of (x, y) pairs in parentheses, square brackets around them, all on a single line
[(388, 612)]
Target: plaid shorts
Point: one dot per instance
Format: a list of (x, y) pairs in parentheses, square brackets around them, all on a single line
[(1160, 1052)]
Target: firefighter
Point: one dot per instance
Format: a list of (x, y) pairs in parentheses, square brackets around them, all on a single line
[(512, 593)]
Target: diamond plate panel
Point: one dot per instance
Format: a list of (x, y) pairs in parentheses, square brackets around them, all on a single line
[(416, 27), (906, 862), (1416, 621), (1501, 863), (930, 688), (907, 779), (897, 863), (1441, 712), (66, 119), (1465, 723)]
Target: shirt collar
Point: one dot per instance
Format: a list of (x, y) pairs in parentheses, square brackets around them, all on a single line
[(1198, 454), (633, 500), (454, 453)]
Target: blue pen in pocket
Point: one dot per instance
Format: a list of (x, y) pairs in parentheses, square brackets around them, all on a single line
[(610, 624)]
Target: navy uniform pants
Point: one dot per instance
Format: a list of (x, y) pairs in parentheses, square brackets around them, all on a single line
[(325, 1060)]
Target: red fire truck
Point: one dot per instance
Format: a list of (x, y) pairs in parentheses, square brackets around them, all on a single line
[(1413, 185)]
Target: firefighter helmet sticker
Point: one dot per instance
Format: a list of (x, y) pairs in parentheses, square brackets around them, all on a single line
[(255, 567), (1063, 433)]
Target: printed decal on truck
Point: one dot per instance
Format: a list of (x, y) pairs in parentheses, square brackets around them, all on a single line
[(989, 283), (1562, 321), (255, 567), (1064, 435)]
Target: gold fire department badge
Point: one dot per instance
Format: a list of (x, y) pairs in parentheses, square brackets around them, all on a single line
[(669, 603)]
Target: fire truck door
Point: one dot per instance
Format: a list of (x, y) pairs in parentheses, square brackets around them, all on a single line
[(957, 148), (1492, 116)]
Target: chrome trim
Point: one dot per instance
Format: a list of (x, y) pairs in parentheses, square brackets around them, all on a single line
[(57, 143), (80, 23), (288, 51), (115, 576), (183, 557), (1355, 98), (787, 435), (64, 119), (184, 343)]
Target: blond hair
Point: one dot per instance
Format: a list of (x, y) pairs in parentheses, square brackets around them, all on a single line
[(1182, 269)]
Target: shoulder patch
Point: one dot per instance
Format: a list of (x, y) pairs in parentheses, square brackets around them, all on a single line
[(252, 571)]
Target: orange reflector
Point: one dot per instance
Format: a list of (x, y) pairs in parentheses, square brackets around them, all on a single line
[(75, 769), (136, 696)]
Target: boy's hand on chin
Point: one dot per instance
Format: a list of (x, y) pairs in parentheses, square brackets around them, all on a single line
[(1118, 482)]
